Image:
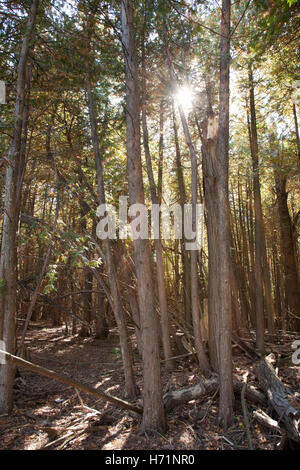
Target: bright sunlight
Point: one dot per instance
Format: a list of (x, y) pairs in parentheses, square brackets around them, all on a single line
[(185, 98)]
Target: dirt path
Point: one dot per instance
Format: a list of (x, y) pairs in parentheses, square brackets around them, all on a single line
[(50, 414)]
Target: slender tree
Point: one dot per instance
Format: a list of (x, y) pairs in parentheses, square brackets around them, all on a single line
[(195, 304), (287, 247), (223, 222), (161, 285), (130, 385), (153, 415), (8, 254)]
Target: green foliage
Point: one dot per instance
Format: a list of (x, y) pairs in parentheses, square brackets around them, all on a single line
[(116, 351), (64, 56), (51, 278)]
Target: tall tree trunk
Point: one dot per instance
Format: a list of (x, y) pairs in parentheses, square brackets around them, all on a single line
[(160, 151), (195, 303), (223, 222), (153, 414), (262, 275), (161, 285), (130, 385), (210, 172), (250, 232), (128, 277), (288, 255), (101, 324), (296, 131), (8, 263), (184, 253)]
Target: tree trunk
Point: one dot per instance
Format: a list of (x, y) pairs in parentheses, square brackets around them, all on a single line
[(208, 386), (161, 285), (224, 331), (296, 131), (127, 277), (184, 253), (153, 415), (262, 274), (195, 304), (209, 157), (8, 263), (259, 298), (288, 255), (130, 385), (101, 324)]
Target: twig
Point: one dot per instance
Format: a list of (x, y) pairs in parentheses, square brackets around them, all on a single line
[(178, 357), (228, 441), (70, 435), (85, 406)]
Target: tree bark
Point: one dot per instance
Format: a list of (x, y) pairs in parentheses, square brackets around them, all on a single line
[(176, 398), (296, 131), (153, 415), (288, 255), (210, 172), (259, 298), (184, 253), (131, 389), (262, 274), (161, 285), (127, 277), (101, 324), (8, 255), (195, 304), (208, 386), (284, 403), (224, 331)]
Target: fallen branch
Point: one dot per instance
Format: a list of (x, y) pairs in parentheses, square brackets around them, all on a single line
[(266, 420), (248, 350), (176, 398), (281, 399), (179, 397), (71, 434), (73, 383), (251, 393), (178, 357)]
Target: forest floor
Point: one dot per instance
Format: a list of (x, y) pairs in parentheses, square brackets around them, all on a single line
[(50, 415)]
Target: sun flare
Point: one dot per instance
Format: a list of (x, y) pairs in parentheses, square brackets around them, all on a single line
[(185, 98)]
